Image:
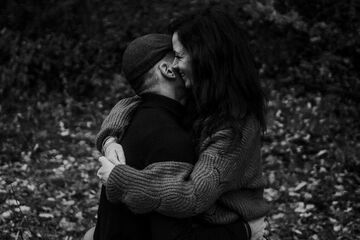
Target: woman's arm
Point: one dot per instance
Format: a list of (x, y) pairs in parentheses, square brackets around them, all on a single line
[(172, 188), (179, 189), (117, 120)]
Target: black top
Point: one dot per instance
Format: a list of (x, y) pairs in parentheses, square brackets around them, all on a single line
[(156, 134)]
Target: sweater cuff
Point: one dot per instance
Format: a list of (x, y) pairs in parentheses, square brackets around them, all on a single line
[(103, 134), (115, 187)]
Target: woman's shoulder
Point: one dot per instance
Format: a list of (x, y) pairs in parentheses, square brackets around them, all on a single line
[(226, 128), (226, 135)]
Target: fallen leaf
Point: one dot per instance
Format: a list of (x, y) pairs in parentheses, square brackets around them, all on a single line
[(46, 215)]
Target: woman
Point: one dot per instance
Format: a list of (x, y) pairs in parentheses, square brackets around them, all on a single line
[(226, 184)]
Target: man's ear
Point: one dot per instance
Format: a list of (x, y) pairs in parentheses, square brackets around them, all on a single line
[(166, 70)]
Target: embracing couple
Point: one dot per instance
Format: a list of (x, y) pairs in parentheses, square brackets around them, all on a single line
[(182, 158)]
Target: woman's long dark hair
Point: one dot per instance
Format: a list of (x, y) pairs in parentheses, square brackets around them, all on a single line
[(226, 83)]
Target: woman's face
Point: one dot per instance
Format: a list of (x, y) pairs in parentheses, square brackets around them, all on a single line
[(182, 61)]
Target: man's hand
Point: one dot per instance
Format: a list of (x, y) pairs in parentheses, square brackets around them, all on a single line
[(105, 169), (114, 152)]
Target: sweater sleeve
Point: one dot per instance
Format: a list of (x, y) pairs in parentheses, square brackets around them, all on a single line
[(117, 120), (178, 189)]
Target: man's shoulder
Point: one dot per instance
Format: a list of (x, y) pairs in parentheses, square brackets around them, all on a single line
[(152, 123), (155, 118)]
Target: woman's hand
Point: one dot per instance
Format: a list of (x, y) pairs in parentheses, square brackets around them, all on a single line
[(105, 169)]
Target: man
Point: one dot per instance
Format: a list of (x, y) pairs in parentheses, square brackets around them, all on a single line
[(156, 133)]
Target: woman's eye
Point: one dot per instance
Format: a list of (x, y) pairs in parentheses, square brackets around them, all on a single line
[(177, 57)]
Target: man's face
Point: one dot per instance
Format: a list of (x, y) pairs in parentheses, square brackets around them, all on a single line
[(182, 61)]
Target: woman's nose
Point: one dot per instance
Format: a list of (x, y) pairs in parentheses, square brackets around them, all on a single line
[(175, 64), (176, 71)]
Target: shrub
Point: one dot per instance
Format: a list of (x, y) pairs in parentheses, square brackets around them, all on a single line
[(74, 47)]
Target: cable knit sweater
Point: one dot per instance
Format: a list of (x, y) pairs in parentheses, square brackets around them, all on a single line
[(222, 186)]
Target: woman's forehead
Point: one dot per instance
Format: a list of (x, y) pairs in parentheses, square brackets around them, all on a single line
[(177, 46)]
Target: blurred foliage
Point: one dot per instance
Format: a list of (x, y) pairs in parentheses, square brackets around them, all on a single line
[(60, 64), (75, 46)]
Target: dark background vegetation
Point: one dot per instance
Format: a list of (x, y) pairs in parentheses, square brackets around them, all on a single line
[(60, 64)]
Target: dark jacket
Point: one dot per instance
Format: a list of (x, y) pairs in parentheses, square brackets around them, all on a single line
[(156, 133)]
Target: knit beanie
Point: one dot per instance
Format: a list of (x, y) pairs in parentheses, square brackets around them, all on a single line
[(143, 53)]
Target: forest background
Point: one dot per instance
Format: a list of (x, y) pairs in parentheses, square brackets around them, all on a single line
[(60, 64)]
